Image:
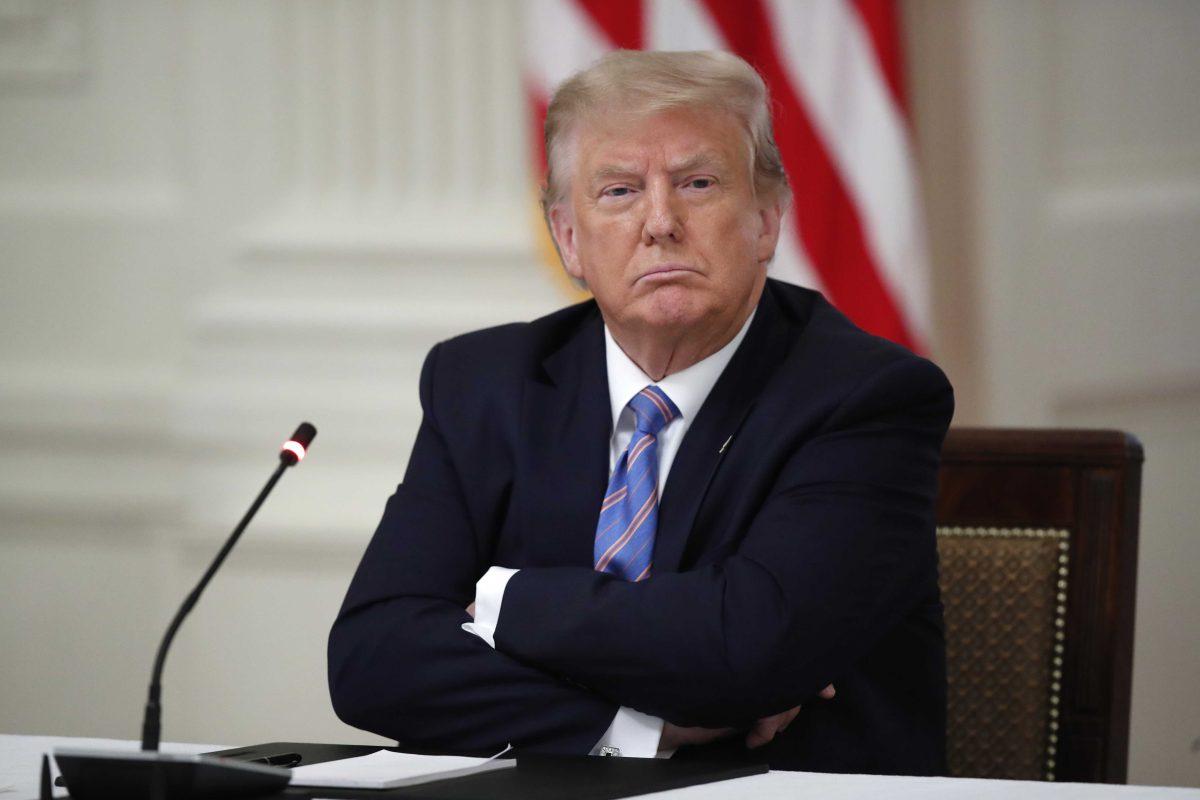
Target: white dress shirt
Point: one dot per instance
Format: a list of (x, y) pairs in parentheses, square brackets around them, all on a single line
[(631, 732)]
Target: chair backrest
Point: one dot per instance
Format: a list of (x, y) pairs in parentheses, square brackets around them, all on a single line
[(1037, 533)]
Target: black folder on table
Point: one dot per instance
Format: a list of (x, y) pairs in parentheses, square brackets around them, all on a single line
[(534, 778)]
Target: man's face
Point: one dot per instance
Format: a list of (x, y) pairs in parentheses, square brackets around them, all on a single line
[(662, 222)]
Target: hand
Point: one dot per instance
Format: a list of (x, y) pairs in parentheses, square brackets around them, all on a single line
[(471, 610), (763, 731), (768, 727)]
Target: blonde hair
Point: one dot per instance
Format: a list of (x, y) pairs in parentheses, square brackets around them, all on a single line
[(644, 83)]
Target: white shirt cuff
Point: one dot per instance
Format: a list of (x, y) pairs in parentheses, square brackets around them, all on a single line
[(633, 733), (489, 594)]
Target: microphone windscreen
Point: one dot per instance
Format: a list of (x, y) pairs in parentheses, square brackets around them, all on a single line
[(304, 434)]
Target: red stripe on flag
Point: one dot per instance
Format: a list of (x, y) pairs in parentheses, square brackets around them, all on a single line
[(879, 18), (538, 103), (827, 219), (621, 21)]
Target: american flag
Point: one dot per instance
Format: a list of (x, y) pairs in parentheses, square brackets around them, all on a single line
[(833, 67)]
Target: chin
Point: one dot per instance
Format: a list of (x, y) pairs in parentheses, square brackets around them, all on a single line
[(676, 307)]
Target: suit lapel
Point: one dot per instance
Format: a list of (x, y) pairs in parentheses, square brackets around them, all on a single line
[(567, 422), (715, 429)]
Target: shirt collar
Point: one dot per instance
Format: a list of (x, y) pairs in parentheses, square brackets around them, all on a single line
[(688, 389)]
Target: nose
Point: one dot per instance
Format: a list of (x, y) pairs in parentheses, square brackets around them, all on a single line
[(664, 216)]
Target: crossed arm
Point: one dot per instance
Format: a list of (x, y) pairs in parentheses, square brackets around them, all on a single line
[(829, 564), (834, 559)]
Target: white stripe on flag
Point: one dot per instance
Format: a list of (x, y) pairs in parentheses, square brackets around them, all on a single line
[(560, 40), (680, 25), (791, 262)]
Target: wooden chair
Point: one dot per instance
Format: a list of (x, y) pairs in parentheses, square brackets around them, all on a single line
[(1037, 533)]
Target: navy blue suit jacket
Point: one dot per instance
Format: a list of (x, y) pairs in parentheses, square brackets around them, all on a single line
[(795, 548)]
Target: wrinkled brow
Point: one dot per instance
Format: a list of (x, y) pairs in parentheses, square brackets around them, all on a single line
[(704, 159)]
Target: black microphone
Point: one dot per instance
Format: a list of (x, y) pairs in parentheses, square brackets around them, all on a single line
[(290, 454), (120, 774)]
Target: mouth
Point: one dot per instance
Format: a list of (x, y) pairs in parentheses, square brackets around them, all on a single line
[(665, 272)]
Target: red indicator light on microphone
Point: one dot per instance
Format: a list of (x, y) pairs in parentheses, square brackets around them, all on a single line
[(294, 449)]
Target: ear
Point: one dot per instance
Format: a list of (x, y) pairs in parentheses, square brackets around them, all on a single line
[(770, 216), (562, 227)]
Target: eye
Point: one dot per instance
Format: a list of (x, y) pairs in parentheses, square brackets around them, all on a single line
[(701, 183), (617, 191)]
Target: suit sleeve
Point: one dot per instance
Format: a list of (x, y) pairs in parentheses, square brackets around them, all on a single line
[(841, 551), (400, 664)]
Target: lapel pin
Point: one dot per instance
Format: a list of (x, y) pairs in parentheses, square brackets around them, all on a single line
[(725, 446)]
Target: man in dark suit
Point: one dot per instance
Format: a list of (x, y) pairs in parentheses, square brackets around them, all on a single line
[(675, 512)]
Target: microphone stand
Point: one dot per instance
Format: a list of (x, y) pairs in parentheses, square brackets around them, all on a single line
[(152, 721), (148, 774)]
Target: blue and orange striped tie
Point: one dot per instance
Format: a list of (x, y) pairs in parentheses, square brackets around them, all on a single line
[(629, 515)]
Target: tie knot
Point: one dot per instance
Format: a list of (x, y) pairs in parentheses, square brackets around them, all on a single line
[(653, 409)]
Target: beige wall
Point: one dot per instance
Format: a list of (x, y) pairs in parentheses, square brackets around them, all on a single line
[(1060, 149), (217, 219)]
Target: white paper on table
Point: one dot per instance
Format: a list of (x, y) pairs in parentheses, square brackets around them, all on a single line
[(386, 769)]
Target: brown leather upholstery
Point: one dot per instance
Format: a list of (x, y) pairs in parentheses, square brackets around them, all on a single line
[(1038, 543)]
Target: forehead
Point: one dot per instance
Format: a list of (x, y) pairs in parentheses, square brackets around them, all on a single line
[(660, 140)]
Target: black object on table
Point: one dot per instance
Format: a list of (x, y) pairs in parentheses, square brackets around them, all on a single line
[(534, 778)]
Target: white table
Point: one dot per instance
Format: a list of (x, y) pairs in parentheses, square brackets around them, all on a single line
[(21, 759)]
